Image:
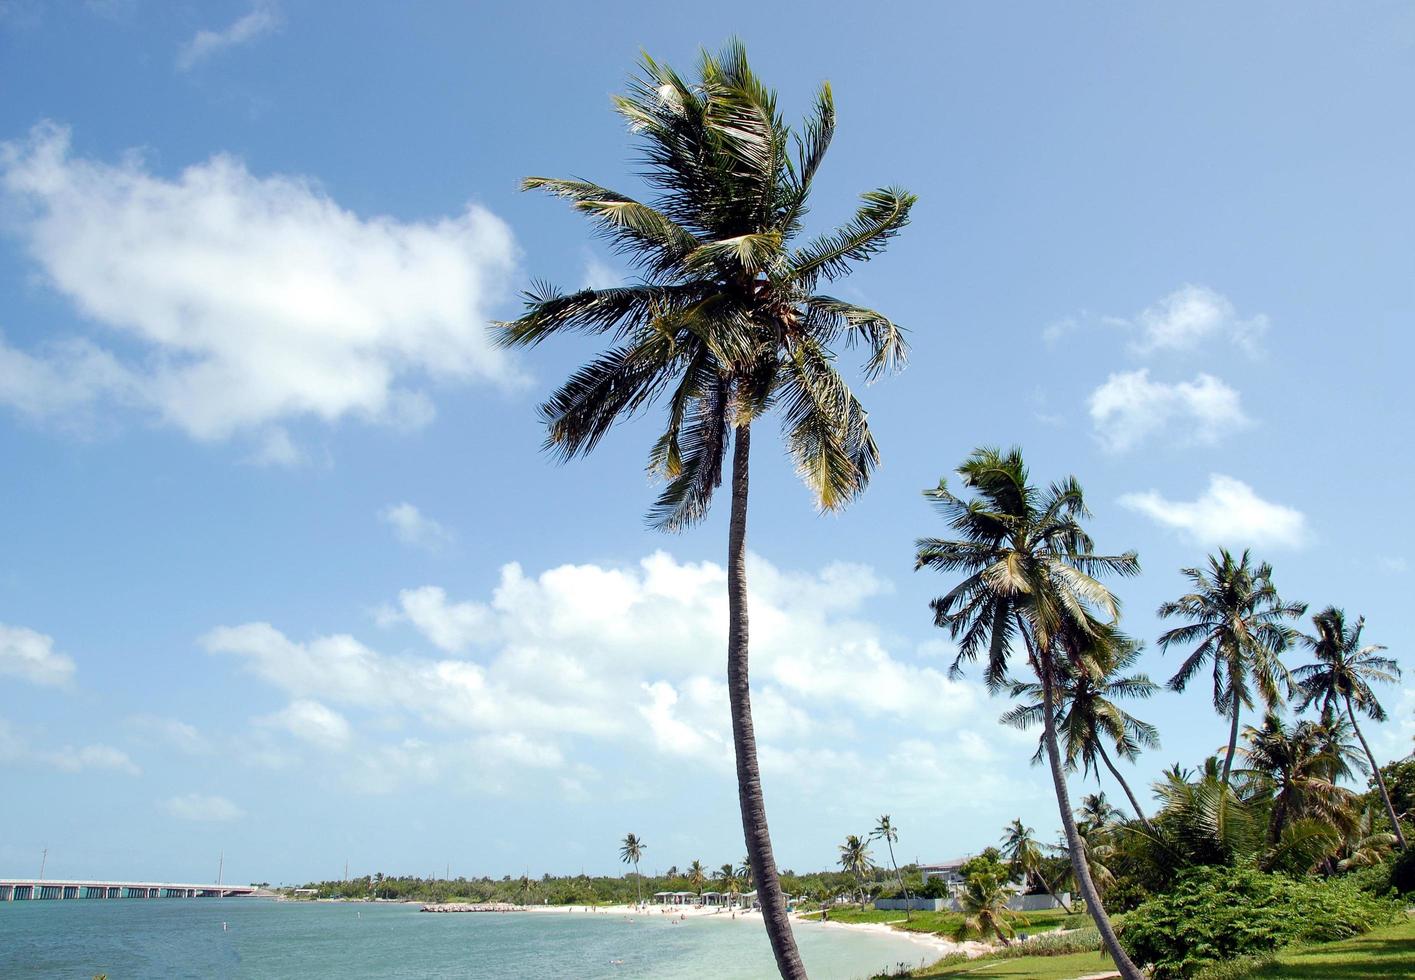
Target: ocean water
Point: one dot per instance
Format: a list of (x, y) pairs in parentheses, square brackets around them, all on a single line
[(265, 940)]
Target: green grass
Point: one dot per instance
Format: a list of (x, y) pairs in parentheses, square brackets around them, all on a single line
[(1378, 955), (945, 922), (1384, 952)]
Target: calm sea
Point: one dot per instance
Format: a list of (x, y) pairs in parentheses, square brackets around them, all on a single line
[(129, 938)]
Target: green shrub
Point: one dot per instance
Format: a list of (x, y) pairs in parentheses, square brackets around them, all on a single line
[(1052, 944), (1219, 914)]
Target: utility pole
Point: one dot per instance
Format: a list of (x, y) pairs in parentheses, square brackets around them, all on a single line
[(221, 867), (43, 859), (346, 869)]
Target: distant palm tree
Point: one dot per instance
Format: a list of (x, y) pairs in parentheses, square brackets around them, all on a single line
[(1296, 765), (724, 322), (697, 876), (630, 850), (672, 872), (1024, 856), (1342, 676), (1087, 716), (1238, 620), (1029, 573), (1096, 812), (744, 872), (729, 880), (855, 859), (983, 901), (887, 832)]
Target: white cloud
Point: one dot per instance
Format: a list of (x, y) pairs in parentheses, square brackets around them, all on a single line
[(1188, 316), (183, 737), (414, 528), (277, 449), (242, 302), (262, 20), (31, 656), (202, 808), (15, 749), (311, 722), (1129, 408), (584, 655), (599, 274), (1394, 563), (1227, 514)]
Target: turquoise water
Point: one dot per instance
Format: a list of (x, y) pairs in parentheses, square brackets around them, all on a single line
[(306, 941)]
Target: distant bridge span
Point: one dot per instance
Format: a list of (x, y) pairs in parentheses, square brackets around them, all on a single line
[(46, 889)]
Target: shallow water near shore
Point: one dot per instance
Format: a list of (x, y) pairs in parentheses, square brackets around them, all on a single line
[(312, 941)]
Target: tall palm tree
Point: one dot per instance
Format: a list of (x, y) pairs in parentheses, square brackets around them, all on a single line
[(1237, 619), (630, 850), (725, 321), (1024, 856), (1029, 573), (1088, 684), (855, 859), (1342, 676), (697, 876), (887, 832)]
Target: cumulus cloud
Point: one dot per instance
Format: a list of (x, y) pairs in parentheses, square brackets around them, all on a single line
[(15, 748), (1190, 315), (1228, 513), (261, 20), (1130, 408), (241, 302), (202, 808), (171, 731), (31, 656), (311, 722), (412, 527), (629, 657)]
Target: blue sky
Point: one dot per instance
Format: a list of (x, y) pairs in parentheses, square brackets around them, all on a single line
[(284, 573)]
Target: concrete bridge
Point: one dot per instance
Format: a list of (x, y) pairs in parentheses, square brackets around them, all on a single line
[(44, 889)]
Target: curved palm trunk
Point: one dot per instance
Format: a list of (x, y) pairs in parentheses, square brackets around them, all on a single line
[(1232, 742), (744, 742), (1134, 803), (1052, 892), (908, 912), (1380, 780), (638, 894), (1079, 867)]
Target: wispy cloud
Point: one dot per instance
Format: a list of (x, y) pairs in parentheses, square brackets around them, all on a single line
[(262, 20), (1182, 320), (1128, 408), (412, 527), (202, 808), (1227, 514), (15, 748), (31, 656)]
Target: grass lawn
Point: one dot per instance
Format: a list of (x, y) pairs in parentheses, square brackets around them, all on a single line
[(1378, 955), (1387, 952), (945, 922)]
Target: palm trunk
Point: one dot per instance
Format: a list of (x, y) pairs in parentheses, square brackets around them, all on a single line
[(1380, 780), (1134, 803), (908, 912), (1232, 742), (638, 895), (744, 742), (1052, 892), (1079, 867)]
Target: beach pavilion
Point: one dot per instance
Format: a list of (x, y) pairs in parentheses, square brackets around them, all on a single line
[(675, 898)]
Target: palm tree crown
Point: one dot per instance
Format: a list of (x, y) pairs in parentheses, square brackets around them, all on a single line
[(725, 319), (1239, 622)]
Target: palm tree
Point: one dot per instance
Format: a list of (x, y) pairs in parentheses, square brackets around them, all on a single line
[(983, 901), (697, 876), (855, 859), (1029, 570), (630, 850), (731, 883), (1024, 856), (725, 322), (1342, 676), (1088, 685), (1097, 813), (1237, 618), (1297, 767), (887, 832), (744, 873)]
